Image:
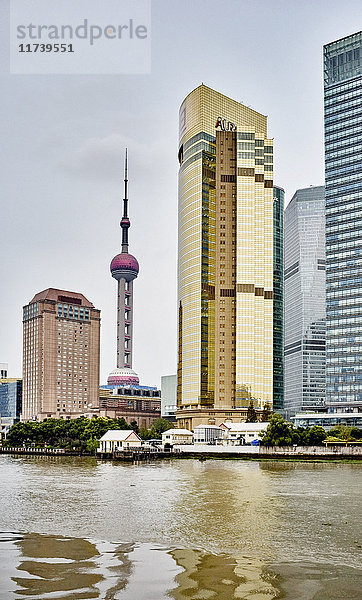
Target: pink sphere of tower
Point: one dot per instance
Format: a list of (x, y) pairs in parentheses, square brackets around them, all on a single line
[(124, 265)]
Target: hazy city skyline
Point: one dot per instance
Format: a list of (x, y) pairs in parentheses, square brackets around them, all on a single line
[(63, 147)]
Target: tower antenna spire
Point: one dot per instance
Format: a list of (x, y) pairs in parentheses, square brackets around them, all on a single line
[(125, 200), (125, 222)]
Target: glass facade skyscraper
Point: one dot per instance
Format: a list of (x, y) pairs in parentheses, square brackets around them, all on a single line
[(305, 304), (278, 300), (343, 174), (10, 398), (225, 269)]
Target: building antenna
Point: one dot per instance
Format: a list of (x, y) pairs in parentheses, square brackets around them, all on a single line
[(125, 222)]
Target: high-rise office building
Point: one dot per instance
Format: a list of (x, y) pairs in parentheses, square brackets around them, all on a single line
[(10, 398), (278, 299), (168, 396), (60, 355), (343, 176), (124, 268), (10, 402), (225, 266), (305, 302)]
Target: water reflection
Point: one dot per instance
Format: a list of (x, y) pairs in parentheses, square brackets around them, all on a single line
[(226, 509), (75, 569), (72, 568), (48, 567), (179, 529), (220, 577)]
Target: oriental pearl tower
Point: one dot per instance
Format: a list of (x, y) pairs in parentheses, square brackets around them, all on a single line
[(124, 267)]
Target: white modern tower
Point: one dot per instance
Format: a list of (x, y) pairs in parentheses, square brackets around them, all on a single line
[(305, 302)]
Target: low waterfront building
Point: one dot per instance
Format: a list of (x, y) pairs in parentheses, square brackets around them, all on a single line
[(239, 434), (214, 415), (177, 436), (139, 403), (208, 434), (3, 429), (119, 439), (327, 420)]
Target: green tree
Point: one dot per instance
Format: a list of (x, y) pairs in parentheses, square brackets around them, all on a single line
[(251, 416), (21, 433), (156, 430), (134, 425), (267, 413), (356, 433), (279, 432), (158, 427), (146, 434), (316, 436), (63, 433), (282, 433), (98, 426), (341, 432), (299, 435), (121, 423), (92, 445)]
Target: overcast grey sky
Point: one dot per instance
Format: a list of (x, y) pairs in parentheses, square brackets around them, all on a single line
[(62, 148)]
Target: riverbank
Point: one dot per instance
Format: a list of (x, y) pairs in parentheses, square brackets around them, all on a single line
[(43, 451), (271, 452), (203, 452)]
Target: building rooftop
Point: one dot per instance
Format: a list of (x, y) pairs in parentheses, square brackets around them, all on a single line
[(129, 387), (324, 415), (55, 295), (206, 427), (227, 99), (118, 435), (180, 431), (259, 426)]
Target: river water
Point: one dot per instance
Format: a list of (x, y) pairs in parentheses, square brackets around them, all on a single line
[(76, 528)]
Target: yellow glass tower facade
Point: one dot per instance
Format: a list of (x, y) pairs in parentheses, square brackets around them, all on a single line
[(225, 268)]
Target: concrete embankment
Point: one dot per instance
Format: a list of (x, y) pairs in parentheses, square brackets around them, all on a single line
[(202, 452), (271, 452), (42, 451)]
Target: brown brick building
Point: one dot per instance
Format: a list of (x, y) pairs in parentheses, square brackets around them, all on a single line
[(132, 402), (61, 345)]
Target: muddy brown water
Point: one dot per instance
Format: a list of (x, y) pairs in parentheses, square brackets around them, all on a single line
[(76, 528)]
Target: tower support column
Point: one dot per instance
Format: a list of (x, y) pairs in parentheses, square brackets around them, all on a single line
[(129, 342), (120, 323)]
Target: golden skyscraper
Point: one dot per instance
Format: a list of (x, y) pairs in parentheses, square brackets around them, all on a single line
[(225, 260)]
